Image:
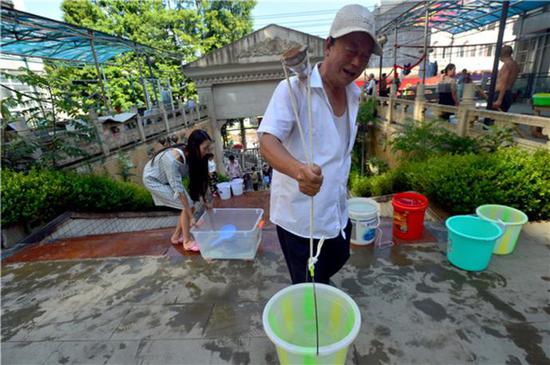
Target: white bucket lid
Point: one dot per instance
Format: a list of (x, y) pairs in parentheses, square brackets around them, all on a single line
[(363, 208)]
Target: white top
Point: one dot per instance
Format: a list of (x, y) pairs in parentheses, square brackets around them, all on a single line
[(211, 166), (289, 207), (371, 86), (342, 126)]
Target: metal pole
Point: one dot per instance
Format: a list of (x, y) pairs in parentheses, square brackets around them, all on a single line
[(395, 53), (451, 51), (380, 75), (91, 34), (145, 93), (109, 103), (425, 42), (501, 26), (152, 78)]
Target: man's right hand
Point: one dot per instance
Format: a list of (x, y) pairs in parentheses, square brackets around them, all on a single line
[(310, 179)]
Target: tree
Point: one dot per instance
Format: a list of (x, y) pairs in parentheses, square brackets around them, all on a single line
[(187, 29), (50, 141)]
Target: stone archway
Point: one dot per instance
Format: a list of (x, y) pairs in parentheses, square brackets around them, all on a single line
[(237, 81)]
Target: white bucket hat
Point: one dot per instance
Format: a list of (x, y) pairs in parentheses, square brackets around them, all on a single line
[(355, 18)]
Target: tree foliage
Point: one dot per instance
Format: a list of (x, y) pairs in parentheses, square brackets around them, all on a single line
[(179, 30)]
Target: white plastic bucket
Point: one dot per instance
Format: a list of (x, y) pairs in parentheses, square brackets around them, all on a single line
[(237, 186), (289, 322), (224, 189), (364, 214)]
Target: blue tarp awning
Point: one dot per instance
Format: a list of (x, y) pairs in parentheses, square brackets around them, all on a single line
[(28, 35), (458, 16)]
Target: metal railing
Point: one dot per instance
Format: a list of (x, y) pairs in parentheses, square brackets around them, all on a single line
[(467, 120)]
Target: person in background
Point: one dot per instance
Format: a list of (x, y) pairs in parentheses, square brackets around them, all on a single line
[(335, 103), (163, 176), (234, 170), (383, 88), (212, 174), (461, 80), (397, 82), (255, 178), (506, 78), (266, 174), (371, 85), (447, 89)]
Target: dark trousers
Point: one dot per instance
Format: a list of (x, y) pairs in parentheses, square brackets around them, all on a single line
[(334, 254), (507, 102)]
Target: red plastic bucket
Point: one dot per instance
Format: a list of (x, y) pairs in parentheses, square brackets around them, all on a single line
[(408, 215)]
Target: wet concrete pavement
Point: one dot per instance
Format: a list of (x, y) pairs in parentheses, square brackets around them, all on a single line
[(416, 308)]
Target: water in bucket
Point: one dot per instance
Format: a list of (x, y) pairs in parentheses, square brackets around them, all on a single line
[(509, 219), (289, 322)]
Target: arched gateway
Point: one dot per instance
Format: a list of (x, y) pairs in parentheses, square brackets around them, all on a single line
[(237, 81)]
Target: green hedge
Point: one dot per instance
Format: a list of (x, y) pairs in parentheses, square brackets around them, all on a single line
[(40, 195), (459, 183)]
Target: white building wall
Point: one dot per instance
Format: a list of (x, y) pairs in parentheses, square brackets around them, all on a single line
[(480, 53)]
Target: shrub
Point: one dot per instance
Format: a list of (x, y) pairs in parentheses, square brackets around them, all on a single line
[(40, 195), (421, 140), (35, 196), (460, 183), (223, 178), (373, 185)]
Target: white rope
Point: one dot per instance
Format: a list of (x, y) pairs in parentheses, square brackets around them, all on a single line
[(308, 156), (310, 131), (313, 259), (296, 115)]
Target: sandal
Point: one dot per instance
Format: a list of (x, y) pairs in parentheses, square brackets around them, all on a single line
[(194, 247), (178, 242)]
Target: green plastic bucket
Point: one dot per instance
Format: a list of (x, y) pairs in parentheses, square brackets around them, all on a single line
[(509, 219), (289, 322), (471, 242)]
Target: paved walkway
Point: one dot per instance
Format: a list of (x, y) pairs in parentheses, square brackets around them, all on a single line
[(166, 309)]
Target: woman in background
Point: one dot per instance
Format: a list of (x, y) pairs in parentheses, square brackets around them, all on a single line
[(163, 177), (447, 89)]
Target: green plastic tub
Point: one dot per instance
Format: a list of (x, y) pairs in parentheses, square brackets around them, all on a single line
[(541, 99), (509, 219), (289, 322), (471, 242)]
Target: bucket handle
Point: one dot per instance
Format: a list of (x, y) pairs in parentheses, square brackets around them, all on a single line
[(499, 222), (502, 225)]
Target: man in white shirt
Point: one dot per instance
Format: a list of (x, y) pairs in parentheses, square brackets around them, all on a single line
[(371, 85), (335, 102)]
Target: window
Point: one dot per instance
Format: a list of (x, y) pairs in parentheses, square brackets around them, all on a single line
[(472, 51), (462, 49), (480, 51), (489, 50), (444, 52)]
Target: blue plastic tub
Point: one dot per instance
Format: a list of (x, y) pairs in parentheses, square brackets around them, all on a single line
[(471, 242)]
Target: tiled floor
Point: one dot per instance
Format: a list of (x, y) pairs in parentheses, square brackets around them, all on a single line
[(416, 308), (143, 243)]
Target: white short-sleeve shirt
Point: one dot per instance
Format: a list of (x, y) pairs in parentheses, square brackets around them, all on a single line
[(289, 207)]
